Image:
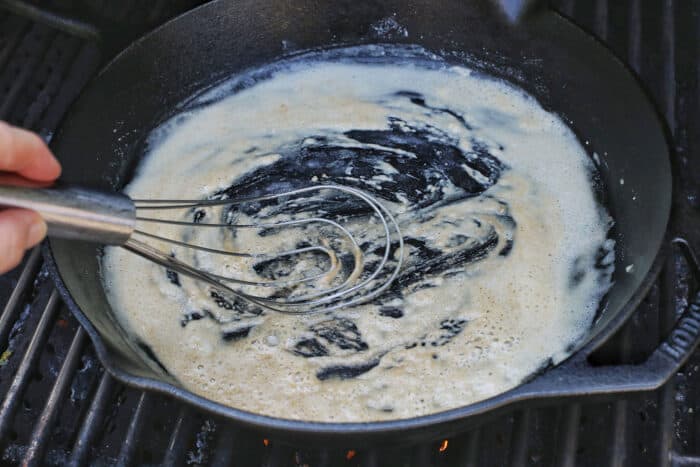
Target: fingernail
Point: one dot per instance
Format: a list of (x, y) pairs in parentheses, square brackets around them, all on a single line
[(55, 165), (37, 232)]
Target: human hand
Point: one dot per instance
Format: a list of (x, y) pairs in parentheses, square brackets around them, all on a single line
[(25, 154)]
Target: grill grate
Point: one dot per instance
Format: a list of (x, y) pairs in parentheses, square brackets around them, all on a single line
[(58, 406)]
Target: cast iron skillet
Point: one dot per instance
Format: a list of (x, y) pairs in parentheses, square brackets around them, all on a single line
[(102, 138)]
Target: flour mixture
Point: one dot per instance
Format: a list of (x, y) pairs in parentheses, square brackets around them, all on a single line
[(506, 255)]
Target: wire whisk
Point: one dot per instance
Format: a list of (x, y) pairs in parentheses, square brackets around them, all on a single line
[(348, 279)]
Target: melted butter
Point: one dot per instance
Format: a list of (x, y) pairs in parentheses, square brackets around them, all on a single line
[(453, 335)]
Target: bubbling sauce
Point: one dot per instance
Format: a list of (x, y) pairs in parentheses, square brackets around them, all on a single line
[(506, 257)]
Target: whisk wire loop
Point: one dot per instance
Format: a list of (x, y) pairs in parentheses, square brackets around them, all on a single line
[(357, 287)]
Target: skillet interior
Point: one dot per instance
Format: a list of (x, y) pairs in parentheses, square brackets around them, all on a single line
[(565, 69)]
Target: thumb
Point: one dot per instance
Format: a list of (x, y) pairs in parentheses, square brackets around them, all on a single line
[(19, 230)]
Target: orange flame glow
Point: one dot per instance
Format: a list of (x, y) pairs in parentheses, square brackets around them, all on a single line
[(266, 441), (443, 445), (350, 454)]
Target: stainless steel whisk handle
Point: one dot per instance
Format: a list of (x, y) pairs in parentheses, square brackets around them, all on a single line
[(77, 213)]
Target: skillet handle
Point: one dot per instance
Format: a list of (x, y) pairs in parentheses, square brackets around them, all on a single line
[(577, 377), (76, 213)]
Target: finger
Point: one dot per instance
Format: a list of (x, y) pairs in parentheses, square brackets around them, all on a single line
[(19, 230), (23, 152), (10, 179)]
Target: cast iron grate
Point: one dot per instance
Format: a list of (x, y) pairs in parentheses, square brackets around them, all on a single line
[(58, 406)]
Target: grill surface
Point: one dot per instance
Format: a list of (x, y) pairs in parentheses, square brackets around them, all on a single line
[(58, 406)]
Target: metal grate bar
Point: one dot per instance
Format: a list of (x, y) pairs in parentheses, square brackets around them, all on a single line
[(666, 409), (276, 456), (324, 459), (223, 452), (619, 445), (685, 461), (668, 35), (634, 48), (12, 308), (569, 435), (62, 53), (23, 374), (372, 458), (52, 19), (521, 430), (84, 65), (667, 317), (40, 436), (128, 450), (11, 35), (697, 64), (93, 419), (469, 449), (179, 438), (601, 19), (422, 455), (567, 7), (28, 66), (620, 408), (21, 378)]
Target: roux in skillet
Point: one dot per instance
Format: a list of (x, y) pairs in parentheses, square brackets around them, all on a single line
[(506, 251)]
